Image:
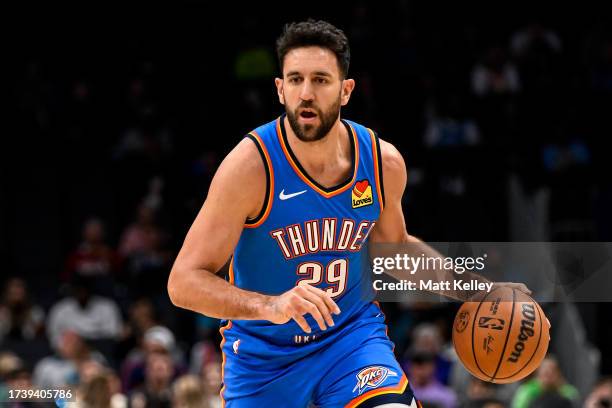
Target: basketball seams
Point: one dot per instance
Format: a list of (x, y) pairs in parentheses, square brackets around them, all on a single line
[(486, 367), (474, 328), (501, 357), (534, 351)]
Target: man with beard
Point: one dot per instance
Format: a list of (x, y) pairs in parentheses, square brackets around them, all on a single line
[(294, 205)]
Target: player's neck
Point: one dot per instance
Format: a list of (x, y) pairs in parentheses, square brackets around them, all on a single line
[(326, 154)]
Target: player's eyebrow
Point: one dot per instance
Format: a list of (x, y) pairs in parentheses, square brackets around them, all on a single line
[(317, 73)]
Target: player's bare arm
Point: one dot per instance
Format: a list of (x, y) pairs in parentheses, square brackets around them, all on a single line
[(235, 195), (391, 226)]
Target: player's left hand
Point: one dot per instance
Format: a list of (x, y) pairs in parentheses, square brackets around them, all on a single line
[(513, 285), (518, 286)]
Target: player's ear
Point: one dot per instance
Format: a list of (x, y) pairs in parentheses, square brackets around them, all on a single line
[(347, 88), (279, 90)]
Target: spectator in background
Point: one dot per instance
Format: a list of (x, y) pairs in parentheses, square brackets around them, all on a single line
[(424, 383), (426, 339), (142, 317), (95, 393), (156, 340), (9, 363), (143, 245), (156, 391), (202, 353), (92, 317), (211, 376), (93, 257), (601, 396), (20, 319), (89, 369), (534, 38), (495, 82), (563, 155), (551, 399), (549, 379), (479, 393), (154, 198), (449, 124), (495, 75), (64, 368), (99, 387), (148, 269), (18, 378), (537, 50), (188, 392), (135, 238), (146, 141), (488, 403)]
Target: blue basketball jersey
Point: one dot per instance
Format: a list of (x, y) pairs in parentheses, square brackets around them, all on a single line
[(309, 234)]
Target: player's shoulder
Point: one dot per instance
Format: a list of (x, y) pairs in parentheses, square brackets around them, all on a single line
[(392, 160), (246, 156), (240, 181), (242, 169)]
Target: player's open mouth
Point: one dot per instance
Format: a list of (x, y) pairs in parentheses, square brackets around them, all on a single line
[(308, 115)]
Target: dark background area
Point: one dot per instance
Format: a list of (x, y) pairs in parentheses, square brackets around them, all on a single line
[(79, 82), (107, 104)]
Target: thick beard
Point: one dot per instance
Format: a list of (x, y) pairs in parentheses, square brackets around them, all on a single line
[(312, 133)]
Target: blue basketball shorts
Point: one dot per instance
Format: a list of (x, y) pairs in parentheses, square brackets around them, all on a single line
[(346, 368)]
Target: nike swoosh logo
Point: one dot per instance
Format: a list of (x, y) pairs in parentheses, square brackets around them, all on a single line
[(284, 196)]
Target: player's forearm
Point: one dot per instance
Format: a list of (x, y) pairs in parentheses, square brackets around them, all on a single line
[(420, 248), (204, 292)]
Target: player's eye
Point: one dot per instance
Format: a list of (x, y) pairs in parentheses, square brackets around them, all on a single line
[(321, 80), (294, 80)]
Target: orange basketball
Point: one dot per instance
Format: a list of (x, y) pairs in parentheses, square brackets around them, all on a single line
[(503, 337)]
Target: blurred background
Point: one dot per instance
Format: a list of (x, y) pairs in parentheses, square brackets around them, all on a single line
[(119, 117)]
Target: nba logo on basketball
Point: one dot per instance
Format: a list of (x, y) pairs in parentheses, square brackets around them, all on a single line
[(362, 194), (372, 377)]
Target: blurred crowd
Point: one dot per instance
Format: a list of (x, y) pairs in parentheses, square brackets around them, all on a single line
[(86, 344), (503, 127)]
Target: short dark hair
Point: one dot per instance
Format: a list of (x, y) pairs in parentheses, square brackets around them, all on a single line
[(314, 33)]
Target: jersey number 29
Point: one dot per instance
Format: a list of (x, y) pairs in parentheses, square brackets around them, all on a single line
[(335, 275)]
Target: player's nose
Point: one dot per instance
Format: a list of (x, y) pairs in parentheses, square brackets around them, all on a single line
[(306, 93)]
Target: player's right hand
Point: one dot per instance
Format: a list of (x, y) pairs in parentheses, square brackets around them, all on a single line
[(299, 301)]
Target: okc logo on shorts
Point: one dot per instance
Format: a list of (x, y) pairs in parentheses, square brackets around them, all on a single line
[(372, 377)]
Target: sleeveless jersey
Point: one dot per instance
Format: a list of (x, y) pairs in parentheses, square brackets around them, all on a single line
[(309, 234)]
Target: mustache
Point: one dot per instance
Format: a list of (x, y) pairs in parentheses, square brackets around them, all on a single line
[(307, 105)]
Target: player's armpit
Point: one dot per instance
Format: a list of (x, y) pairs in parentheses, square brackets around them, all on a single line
[(391, 226)]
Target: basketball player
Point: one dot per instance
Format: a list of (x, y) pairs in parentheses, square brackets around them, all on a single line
[(294, 204)]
